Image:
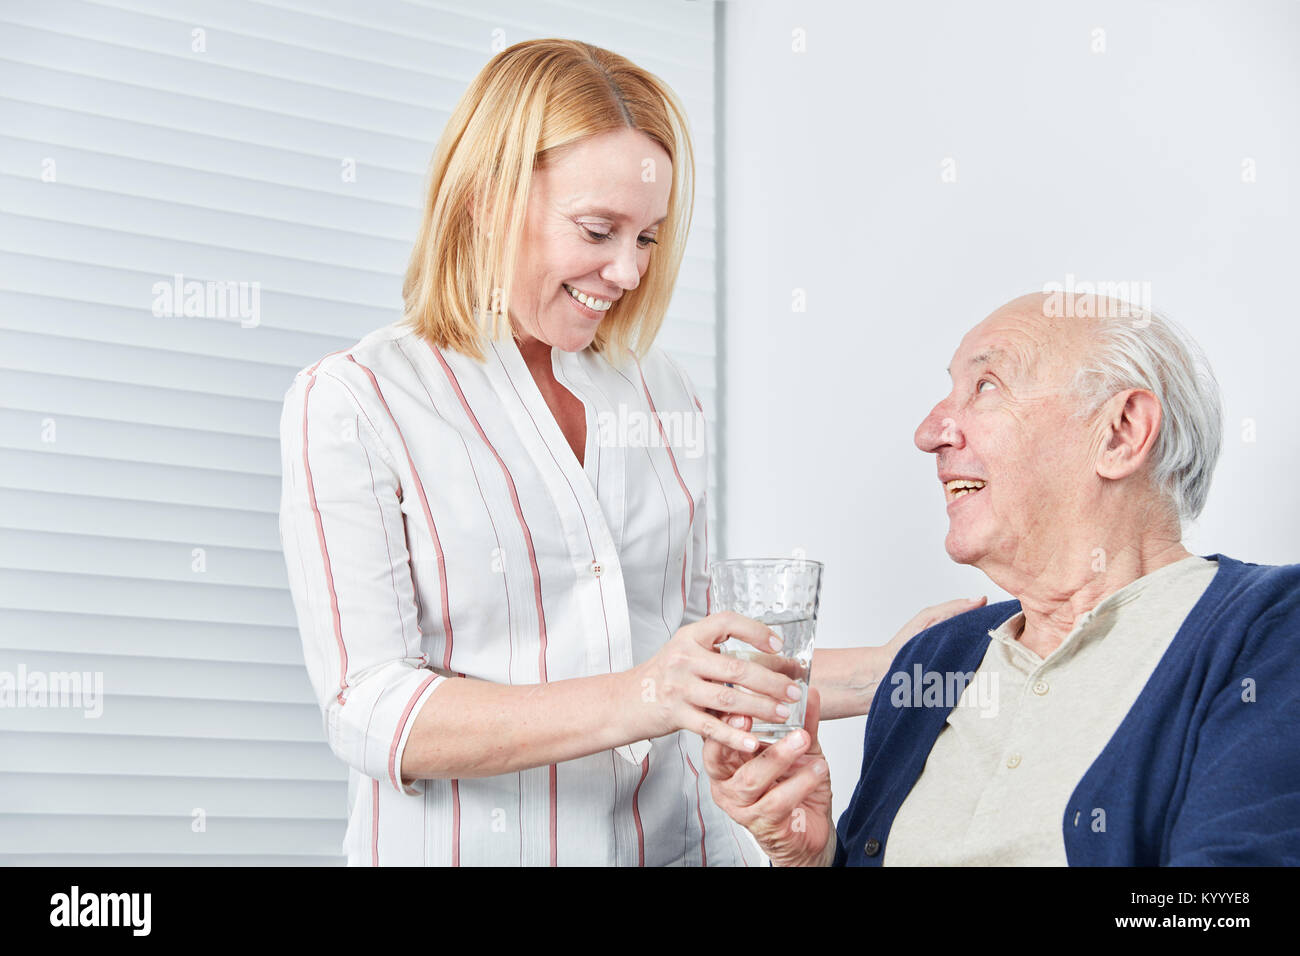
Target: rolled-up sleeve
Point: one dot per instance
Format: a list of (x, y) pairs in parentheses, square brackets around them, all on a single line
[(341, 529)]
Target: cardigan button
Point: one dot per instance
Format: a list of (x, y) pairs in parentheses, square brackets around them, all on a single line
[(872, 847)]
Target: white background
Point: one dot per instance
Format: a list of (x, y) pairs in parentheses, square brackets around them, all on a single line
[(1122, 165)]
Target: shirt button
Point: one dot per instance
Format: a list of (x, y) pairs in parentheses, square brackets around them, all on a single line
[(1013, 761), (872, 847), (1040, 687), (597, 568)]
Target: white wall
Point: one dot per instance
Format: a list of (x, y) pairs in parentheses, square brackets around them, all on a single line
[(1120, 165)]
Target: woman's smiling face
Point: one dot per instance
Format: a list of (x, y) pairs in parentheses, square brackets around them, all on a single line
[(591, 226)]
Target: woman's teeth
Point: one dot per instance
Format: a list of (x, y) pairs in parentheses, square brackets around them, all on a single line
[(600, 305)]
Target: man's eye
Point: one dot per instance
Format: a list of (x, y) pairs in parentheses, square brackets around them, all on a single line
[(982, 382)]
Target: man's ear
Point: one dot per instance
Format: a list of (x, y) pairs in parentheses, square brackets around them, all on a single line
[(1131, 423)]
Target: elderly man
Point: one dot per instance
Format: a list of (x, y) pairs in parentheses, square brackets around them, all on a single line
[(1136, 704)]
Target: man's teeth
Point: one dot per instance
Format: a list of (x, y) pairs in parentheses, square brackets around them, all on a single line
[(600, 305), (959, 487)]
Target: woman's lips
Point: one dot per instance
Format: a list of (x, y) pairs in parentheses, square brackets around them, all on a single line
[(585, 310)]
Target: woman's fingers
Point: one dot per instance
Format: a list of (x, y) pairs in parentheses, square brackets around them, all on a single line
[(707, 695), (930, 616), (752, 675), (719, 733), (716, 628)]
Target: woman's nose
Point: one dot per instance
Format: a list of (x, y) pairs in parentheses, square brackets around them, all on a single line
[(622, 268)]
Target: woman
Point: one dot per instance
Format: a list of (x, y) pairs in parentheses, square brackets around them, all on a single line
[(502, 596)]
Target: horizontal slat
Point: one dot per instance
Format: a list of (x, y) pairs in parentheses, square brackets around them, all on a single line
[(43, 275), (416, 83), (137, 520), (85, 860), (103, 833), (213, 84), (117, 794), (126, 636), (144, 597), (139, 399), (138, 481), (155, 444), (89, 137), (123, 181), (75, 90), (124, 715), (282, 351), (83, 757), (69, 204), (148, 680)]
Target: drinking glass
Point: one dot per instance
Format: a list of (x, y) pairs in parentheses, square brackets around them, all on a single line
[(784, 594)]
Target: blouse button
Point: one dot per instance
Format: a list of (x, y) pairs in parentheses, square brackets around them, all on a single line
[(597, 568)]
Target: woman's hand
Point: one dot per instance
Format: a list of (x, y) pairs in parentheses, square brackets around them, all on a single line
[(684, 686), (928, 617), (781, 795)]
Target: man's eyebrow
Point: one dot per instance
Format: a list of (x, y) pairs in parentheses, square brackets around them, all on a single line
[(616, 216), (988, 355)]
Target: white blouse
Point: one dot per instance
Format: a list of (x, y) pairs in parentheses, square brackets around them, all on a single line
[(435, 521)]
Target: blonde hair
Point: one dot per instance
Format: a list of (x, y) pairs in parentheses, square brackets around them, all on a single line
[(530, 100)]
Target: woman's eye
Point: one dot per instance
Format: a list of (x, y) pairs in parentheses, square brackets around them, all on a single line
[(642, 241)]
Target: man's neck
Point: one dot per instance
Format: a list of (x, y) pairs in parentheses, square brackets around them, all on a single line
[(1067, 587)]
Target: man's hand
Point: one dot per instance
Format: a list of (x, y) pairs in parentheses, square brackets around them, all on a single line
[(782, 794)]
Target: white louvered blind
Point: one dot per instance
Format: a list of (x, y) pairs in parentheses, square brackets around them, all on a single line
[(139, 455)]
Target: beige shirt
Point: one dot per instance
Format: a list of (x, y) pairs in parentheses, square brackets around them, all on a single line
[(994, 789)]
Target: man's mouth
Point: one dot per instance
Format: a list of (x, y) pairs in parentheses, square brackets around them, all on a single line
[(590, 301), (962, 487)]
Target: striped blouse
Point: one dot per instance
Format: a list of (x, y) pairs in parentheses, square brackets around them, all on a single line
[(435, 522)]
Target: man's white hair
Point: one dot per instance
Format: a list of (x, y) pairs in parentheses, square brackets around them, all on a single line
[(1153, 353)]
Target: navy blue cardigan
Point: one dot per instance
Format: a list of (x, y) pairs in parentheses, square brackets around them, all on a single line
[(1203, 770)]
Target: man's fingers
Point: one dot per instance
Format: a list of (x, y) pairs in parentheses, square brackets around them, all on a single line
[(780, 802), (755, 777), (720, 760)]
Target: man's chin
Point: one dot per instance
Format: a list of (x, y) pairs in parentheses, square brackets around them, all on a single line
[(962, 551)]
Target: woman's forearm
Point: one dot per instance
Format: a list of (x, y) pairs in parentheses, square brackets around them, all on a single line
[(474, 728), (847, 677)]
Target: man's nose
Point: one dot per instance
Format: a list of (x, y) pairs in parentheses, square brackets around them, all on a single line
[(622, 269), (938, 430)]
